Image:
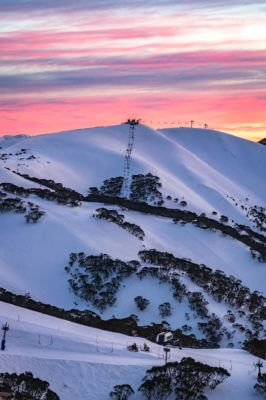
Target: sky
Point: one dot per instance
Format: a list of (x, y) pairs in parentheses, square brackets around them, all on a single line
[(80, 63)]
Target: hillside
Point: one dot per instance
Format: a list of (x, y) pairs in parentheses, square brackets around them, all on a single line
[(9, 140), (204, 278), (201, 166), (81, 362)]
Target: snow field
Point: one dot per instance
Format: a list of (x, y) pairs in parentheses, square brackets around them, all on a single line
[(85, 363)]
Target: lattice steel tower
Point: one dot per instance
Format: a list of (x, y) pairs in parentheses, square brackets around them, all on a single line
[(126, 184)]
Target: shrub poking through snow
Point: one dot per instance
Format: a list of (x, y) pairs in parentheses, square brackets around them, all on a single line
[(34, 215), (141, 302), (187, 379), (26, 387), (146, 188), (63, 196), (121, 392), (156, 388), (118, 219), (256, 347), (112, 186), (224, 218), (260, 386), (14, 204), (165, 310), (221, 287), (97, 278)]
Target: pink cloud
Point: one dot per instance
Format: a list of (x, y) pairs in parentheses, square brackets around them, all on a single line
[(70, 70), (233, 113)]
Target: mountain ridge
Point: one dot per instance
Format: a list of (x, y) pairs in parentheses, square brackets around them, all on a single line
[(181, 254)]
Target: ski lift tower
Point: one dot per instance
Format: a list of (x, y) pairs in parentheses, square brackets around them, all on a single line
[(127, 161), (5, 329)]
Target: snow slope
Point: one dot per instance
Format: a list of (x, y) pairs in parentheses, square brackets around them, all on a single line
[(211, 171), (9, 140), (8, 176), (33, 257), (85, 363), (199, 165)]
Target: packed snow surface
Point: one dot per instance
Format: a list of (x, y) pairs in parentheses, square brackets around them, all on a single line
[(85, 363)]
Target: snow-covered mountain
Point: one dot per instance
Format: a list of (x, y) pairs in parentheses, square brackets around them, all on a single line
[(218, 177), (199, 165), (9, 140)]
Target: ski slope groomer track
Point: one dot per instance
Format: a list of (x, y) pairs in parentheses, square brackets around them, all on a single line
[(85, 363)]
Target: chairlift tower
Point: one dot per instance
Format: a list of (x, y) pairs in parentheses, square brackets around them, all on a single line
[(5, 329), (166, 352), (127, 161), (259, 365)]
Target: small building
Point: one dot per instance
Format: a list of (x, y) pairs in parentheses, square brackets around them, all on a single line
[(164, 337)]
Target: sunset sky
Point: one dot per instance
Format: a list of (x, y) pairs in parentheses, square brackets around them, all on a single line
[(67, 64)]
